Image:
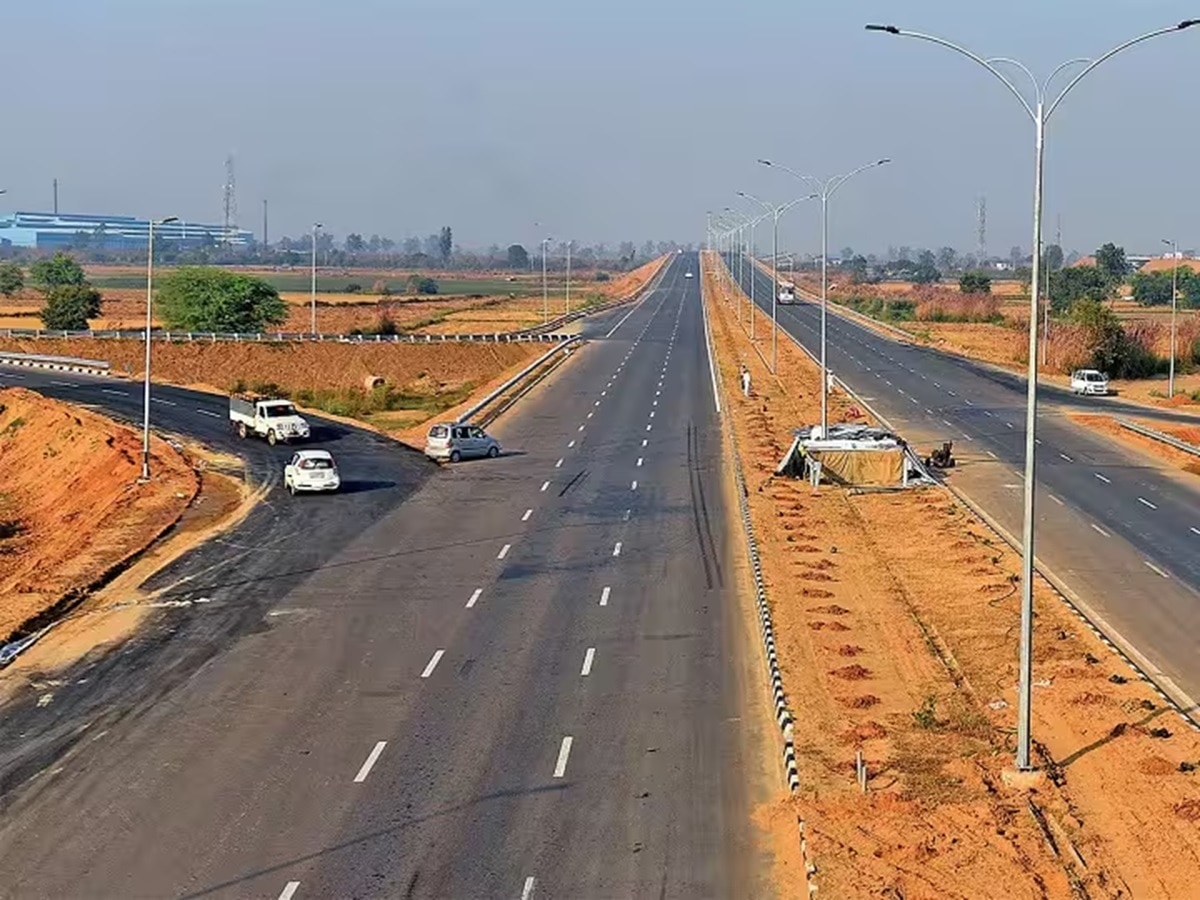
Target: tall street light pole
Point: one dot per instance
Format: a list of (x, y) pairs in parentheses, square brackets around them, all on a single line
[(545, 287), (146, 368), (1174, 304), (1039, 111), (569, 243), (313, 286), (825, 190), (776, 212)]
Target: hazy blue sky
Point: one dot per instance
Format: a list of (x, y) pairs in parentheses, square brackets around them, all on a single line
[(622, 119)]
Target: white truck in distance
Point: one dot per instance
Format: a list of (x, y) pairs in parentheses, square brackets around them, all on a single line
[(787, 292), (276, 420)]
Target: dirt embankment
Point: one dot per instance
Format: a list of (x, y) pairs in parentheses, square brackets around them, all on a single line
[(896, 620), (1189, 434), (70, 505)]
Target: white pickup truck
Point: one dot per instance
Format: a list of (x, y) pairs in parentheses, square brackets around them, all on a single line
[(276, 420)]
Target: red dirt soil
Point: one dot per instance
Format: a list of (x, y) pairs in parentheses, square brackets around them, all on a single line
[(70, 505)]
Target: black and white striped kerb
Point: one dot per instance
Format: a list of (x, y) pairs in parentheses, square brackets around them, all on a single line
[(79, 367)]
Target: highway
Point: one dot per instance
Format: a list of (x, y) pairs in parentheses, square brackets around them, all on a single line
[(1120, 528), (528, 677)]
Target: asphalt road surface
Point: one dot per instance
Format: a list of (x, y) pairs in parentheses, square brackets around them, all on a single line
[(1121, 529), (526, 677)]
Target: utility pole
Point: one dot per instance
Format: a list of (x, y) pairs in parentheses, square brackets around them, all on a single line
[(266, 243), (56, 196)]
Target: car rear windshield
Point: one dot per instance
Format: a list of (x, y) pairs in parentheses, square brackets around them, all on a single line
[(439, 431), (316, 463), (279, 410)]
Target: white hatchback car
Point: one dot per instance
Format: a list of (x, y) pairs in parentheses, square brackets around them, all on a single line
[(450, 442), (1089, 381), (311, 470)]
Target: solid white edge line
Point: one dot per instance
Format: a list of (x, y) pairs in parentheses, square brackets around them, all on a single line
[(587, 662), (564, 753), (371, 760), (432, 664), (476, 594), (504, 551), (604, 595), (289, 890), (527, 891), (712, 366)]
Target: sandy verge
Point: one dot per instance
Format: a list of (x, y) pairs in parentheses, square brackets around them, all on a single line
[(1175, 457), (72, 507), (896, 619)]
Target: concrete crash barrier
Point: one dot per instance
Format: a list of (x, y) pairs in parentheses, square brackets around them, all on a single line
[(55, 363)]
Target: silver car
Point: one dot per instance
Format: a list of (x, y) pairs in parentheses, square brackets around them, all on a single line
[(454, 441)]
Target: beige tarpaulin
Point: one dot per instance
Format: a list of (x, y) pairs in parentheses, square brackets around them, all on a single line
[(862, 467)]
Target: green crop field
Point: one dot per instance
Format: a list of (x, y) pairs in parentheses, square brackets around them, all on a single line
[(336, 284)]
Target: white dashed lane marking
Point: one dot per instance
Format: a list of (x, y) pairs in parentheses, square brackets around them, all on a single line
[(604, 595), (1102, 478), (1145, 502), (478, 592), (528, 513), (289, 890), (587, 662), (504, 551), (527, 891), (545, 486), (366, 767), (558, 465), (564, 753), (1155, 569), (1100, 531), (432, 664), (617, 549), (639, 462), (205, 412)]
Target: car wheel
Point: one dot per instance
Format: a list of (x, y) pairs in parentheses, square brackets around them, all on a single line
[(493, 451), (271, 439), (241, 430), (455, 456)]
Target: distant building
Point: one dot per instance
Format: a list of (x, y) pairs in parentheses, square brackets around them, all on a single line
[(63, 231)]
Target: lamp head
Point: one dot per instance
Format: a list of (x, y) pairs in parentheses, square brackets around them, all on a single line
[(890, 29), (764, 162), (1187, 23), (168, 220)]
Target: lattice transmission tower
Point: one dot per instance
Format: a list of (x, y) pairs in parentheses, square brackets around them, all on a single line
[(230, 200), (981, 234)]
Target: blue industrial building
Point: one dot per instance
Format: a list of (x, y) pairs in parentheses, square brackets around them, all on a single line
[(63, 231)]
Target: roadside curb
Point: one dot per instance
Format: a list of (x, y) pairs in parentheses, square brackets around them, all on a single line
[(783, 715), (55, 363)]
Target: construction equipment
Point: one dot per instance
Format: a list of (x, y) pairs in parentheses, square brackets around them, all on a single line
[(942, 458)]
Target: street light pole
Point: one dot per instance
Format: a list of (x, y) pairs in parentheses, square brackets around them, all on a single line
[(313, 285), (776, 212), (1174, 291), (1040, 111), (825, 190), (545, 286), (146, 368), (569, 243)]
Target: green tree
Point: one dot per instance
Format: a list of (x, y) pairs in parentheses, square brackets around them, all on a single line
[(1153, 288), (518, 257), (69, 306), (1111, 261), (975, 283), (355, 243), (926, 273), (857, 267), (202, 298), (59, 271), (1070, 285), (947, 258), (445, 244), (12, 278), (1053, 257)]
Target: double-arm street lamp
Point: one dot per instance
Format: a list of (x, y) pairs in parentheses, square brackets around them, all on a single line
[(1174, 303), (1040, 110), (146, 373), (825, 190), (546, 241), (775, 213), (313, 284)]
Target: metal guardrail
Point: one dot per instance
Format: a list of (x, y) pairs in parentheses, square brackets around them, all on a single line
[(209, 337), (1158, 436), (524, 373)]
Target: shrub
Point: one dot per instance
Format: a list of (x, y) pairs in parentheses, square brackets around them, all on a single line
[(354, 288), (69, 307), (603, 276), (12, 278), (382, 288), (421, 284), (975, 283)]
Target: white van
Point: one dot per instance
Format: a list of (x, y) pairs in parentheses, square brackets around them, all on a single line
[(1089, 381)]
